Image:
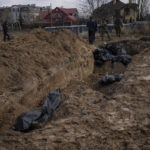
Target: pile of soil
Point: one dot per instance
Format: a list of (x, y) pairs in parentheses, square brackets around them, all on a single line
[(36, 63)]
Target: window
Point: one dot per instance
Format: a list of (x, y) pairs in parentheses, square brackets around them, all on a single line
[(127, 11), (57, 15)]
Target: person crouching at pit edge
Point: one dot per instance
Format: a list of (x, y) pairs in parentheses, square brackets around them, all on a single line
[(92, 28), (5, 31)]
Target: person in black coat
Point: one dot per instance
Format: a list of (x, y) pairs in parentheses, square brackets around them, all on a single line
[(118, 26), (5, 31), (92, 28)]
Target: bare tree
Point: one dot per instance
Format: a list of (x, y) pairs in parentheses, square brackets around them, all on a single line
[(88, 6), (144, 6), (5, 15)]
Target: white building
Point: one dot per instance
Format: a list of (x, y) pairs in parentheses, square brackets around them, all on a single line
[(15, 13)]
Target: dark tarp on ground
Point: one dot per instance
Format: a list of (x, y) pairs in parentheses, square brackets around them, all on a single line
[(145, 38), (109, 79), (111, 52), (25, 121), (115, 49), (125, 59), (101, 56)]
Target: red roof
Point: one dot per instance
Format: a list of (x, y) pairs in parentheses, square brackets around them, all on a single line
[(69, 10), (69, 13), (43, 14), (43, 17)]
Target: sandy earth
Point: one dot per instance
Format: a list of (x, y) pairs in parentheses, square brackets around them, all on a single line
[(34, 64), (114, 117)]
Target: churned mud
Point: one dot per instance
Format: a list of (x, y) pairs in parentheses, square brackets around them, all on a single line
[(114, 117)]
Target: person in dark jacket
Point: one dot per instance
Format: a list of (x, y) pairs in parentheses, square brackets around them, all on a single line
[(5, 31), (92, 28), (118, 25)]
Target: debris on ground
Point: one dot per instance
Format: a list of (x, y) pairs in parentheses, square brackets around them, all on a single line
[(124, 59), (109, 79), (147, 38), (111, 52)]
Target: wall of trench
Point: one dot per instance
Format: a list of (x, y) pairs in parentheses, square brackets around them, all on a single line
[(35, 93)]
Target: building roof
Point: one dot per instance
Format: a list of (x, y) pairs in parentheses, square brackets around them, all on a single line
[(43, 17), (109, 9), (68, 14), (43, 14), (132, 5), (67, 11)]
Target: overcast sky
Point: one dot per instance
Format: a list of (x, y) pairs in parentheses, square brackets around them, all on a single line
[(64, 3)]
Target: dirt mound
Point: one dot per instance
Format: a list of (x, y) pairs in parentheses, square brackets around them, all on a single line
[(34, 64)]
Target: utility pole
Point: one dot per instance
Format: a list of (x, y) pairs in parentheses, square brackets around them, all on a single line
[(51, 13)]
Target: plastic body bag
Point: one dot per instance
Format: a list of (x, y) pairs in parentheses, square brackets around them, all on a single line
[(111, 52), (26, 120), (109, 79)]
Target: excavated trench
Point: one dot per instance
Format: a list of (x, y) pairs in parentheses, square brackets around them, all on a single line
[(132, 47), (108, 117), (90, 116)]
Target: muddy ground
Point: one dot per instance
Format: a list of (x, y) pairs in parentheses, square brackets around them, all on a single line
[(114, 117)]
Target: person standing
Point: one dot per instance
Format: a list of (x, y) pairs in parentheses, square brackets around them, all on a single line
[(5, 31), (118, 25), (104, 29), (92, 28)]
